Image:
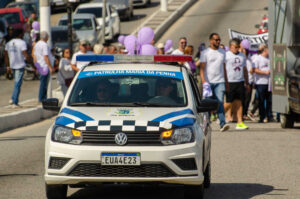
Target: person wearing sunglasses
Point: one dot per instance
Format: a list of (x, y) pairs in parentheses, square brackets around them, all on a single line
[(181, 46), (213, 72), (238, 83)]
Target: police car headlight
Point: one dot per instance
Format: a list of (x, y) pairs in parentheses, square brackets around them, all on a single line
[(177, 136), (66, 135)]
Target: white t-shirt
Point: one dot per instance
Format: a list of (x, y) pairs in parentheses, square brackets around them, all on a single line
[(65, 71), (42, 49), (214, 69), (235, 64), (263, 64), (177, 52), (14, 48), (80, 64), (249, 65)]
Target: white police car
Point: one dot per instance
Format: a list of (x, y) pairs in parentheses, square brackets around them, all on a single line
[(131, 119)]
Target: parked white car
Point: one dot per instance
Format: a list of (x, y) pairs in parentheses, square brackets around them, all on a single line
[(130, 122), (112, 20), (85, 26)]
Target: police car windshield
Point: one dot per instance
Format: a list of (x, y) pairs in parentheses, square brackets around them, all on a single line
[(128, 90)]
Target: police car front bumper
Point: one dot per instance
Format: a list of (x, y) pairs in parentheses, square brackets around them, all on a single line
[(90, 156)]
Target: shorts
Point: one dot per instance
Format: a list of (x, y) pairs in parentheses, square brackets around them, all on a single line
[(236, 91)]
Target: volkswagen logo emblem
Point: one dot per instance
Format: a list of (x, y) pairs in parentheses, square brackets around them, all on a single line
[(121, 139)]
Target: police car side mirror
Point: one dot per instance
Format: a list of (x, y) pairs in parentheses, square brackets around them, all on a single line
[(208, 105), (51, 104)]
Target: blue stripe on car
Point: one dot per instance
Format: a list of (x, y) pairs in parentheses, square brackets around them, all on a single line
[(184, 122), (173, 114), (78, 114), (62, 120)]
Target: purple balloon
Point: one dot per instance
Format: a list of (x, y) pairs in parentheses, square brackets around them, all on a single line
[(226, 48), (245, 44), (145, 35), (36, 25), (121, 39), (148, 49), (168, 45), (130, 44)]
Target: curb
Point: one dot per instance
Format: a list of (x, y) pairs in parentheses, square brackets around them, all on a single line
[(24, 117), (158, 32), (28, 116), (162, 28)]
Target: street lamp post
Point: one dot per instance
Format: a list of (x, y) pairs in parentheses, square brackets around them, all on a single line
[(103, 21), (70, 31)]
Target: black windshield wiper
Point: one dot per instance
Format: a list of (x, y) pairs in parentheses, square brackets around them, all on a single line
[(94, 104), (130, 104), (151, 104)]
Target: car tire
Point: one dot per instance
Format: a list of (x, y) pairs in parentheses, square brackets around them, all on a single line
[(194, 191), (286, 121), (207, 175), (56, 191)]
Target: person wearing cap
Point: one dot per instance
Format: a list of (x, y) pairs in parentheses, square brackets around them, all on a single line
[(160, 49), (77, 65)]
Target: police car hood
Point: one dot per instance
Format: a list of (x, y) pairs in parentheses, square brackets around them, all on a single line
[(125, 119)]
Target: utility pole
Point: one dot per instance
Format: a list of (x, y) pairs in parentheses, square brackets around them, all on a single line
[(70, 27), (45, 13), (103, 21), (164, 5)]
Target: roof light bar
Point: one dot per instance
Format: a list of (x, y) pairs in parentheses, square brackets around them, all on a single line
[(134, 58)]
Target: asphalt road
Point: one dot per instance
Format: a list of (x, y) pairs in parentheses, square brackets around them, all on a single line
[(261, 163), (30, 89)]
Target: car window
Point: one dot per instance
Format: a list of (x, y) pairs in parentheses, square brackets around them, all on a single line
[(96, 11), (132, 90), (78, 24), (11, 18)]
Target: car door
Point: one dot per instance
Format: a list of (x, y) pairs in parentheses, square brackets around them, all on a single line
[(203, 119), (115, 20)]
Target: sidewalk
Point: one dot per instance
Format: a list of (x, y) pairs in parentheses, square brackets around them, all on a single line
[(32, 111)]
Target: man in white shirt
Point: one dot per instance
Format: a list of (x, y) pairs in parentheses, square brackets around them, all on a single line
[(237, 79), (182, 43), (15, 55), (213, 71), (77, 65), (262, 75), (44, 59)]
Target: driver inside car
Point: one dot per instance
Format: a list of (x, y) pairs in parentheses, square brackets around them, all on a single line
[(104, 91), (164, 89)]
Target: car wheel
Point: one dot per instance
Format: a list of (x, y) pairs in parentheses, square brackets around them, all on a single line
[(56, 191), (286, 121), (194, 191), (207, 175)]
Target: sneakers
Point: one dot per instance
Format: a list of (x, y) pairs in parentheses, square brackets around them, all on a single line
[(10, 102), (241, 126), (16, 106), (225, 127), (251, 116)]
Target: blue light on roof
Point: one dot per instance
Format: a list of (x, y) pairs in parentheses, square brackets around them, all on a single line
[(93, 58)]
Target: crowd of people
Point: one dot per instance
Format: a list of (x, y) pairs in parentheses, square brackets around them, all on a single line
[(226, 74)]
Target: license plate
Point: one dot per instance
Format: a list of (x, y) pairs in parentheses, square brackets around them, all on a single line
[(127, 159)]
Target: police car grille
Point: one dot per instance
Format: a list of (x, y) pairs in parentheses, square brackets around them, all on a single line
[(134, 138), (145, 170)]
